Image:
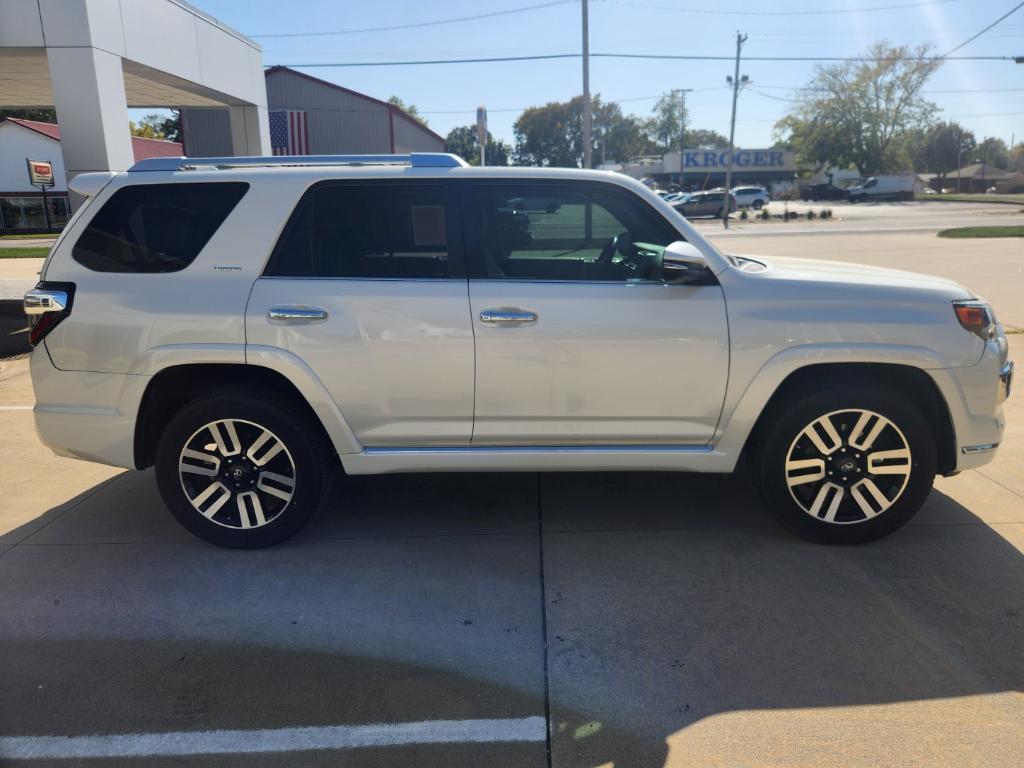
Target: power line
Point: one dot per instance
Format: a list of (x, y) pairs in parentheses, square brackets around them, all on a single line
[(986, 29), (745, 12), (418, 24), (953, 90), (647, 56)]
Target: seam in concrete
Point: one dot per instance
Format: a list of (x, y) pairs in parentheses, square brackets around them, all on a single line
[(95, 489), (1004, 487), (544, 623)]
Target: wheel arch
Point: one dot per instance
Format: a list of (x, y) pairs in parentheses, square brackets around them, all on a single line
[(175, 385), (913, 382)]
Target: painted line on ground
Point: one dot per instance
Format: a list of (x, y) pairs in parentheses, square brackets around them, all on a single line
[(300, 739), (16, 407)]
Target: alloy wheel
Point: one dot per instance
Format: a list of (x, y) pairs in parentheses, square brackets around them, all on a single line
[(237, 474), (848, 466)]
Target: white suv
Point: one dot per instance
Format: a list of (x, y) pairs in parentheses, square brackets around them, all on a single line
[(244, 324), (751, 197)]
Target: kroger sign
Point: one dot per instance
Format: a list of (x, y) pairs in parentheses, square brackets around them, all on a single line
[(750, 159)]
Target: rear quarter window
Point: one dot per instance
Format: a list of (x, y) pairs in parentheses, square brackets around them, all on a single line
[(152, 228)]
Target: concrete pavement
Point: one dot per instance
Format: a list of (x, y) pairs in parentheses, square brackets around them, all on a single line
[(659, 620)]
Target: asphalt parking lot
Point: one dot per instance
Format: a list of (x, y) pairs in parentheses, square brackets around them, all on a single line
[(511, 620)]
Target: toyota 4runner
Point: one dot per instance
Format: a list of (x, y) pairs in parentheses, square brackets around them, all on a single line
[(244, 324)]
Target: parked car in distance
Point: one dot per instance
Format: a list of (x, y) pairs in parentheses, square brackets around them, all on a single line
[(899, 187), (815, 192), (751, 197), (246, 325), (710, 203)]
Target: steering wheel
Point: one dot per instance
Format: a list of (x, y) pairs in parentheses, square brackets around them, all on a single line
[(621, 244)]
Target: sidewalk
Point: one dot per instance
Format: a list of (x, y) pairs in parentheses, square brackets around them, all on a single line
[(18, 276)]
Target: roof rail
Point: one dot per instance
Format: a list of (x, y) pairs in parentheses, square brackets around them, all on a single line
[(413, 159)]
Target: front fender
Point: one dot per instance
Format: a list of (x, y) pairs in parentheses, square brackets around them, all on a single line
[(745, 401)]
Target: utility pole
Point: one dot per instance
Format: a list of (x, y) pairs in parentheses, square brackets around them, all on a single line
[(586, 88), (735, 81), (682, 130)]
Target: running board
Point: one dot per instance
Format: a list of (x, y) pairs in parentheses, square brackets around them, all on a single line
[(665, 458)]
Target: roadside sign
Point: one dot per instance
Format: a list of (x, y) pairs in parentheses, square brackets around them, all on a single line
[(40, 173)]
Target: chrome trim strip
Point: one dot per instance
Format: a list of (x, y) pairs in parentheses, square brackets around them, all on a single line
[(470, 449), (980, 448)]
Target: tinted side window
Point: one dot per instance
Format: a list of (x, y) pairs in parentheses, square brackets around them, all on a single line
[(155, 227), (559, 231), (366, 231)]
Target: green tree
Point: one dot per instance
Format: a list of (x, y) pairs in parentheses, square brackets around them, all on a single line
[(702, 138), (669, 117), (550, 135), (40, 115), (409, 109), (156, 126), (861, 112), (464, 142), (993, 152), (946, 146)]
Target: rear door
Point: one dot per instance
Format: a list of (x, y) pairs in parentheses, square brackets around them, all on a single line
[(367, 287), (579, 341)]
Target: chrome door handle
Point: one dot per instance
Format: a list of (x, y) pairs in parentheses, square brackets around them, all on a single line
[(507, 316), (297, 315)]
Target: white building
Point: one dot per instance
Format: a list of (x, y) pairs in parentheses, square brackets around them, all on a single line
[(93, 59), (21, 204)]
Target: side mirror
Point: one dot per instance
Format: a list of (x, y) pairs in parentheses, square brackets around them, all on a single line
[(682, 263)]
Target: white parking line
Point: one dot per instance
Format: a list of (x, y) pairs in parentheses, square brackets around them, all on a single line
[(16, 407), (181, 743)]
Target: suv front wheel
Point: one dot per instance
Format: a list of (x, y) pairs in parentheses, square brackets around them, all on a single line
[(240, 470), (847, 465)]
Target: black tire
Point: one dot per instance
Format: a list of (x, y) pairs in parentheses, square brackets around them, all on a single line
[(306, 450), (785, 429), (758, 205)]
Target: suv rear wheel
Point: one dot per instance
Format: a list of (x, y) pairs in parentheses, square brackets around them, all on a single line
[(847, 465), (238, 470)]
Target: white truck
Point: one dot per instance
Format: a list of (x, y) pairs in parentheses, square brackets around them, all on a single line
[(899, 187)]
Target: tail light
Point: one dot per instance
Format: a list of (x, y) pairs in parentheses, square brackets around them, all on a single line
[(976, 317), (46, 305)]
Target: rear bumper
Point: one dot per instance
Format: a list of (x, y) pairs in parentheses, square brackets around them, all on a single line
[(86, 415)]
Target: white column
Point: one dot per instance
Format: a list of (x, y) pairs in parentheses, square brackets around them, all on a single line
[(250, 130), (88, 94)]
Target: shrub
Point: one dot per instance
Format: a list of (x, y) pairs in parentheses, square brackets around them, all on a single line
[(765, 215), (744, 215), (826, 213), (810, 215)]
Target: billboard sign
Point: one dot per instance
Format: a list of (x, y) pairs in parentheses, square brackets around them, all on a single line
[(743, 159), (40, 173)]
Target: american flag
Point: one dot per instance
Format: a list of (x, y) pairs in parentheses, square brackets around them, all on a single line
[(289, 132)]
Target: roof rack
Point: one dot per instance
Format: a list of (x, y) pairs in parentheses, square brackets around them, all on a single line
[(413, 159)]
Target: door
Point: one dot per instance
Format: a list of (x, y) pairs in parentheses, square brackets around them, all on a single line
[(579, 340), (367, 287)]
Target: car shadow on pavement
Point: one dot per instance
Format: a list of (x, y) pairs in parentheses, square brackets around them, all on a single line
[(668, 600)]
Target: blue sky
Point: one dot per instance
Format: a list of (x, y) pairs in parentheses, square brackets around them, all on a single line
[(448, 95)]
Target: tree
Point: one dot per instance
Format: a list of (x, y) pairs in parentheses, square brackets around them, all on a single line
[(465, 143), (945, 147), (993, 152), (701, 138), (550, 135), (40, 115), (860, 112), (669, 117), (157, 126), (1017, 158), (409, 109)]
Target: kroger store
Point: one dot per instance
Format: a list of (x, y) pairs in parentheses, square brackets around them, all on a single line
[(706, 169)]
